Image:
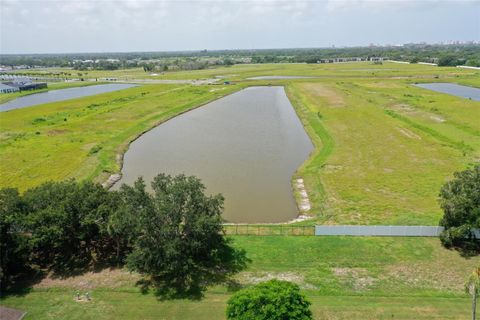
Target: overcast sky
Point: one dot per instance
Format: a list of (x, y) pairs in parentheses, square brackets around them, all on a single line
[(39, 26)]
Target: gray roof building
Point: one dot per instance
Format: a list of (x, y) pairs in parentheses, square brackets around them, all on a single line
[(7, 89)]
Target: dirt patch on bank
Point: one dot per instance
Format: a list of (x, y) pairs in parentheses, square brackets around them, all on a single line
[(254, 278), (108, 278), (409, 134), (383, 84), (357, 278), (56, 132)]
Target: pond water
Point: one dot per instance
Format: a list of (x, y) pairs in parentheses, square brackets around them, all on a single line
[(453, 89), (246, 146), (61, 95)]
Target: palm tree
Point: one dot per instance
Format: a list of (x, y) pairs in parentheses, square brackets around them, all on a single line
[(472, 286)]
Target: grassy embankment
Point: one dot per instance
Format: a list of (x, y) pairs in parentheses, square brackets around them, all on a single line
[(383, 149), (344, 277), (81, 138)]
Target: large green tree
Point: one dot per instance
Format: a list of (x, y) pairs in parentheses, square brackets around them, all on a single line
[(271, 300), (123, 225), (460, 201), (14, 249), (68, 223), (181, 243)]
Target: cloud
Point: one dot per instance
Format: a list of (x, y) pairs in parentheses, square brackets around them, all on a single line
[(132, 25)]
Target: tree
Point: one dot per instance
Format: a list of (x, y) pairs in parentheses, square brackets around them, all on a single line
[(460, 201), (68, 223), (14, 248), (448, 61), (181, 243), (271, 300), (473, 63), (414, 60), (472, 286), (123, 224)]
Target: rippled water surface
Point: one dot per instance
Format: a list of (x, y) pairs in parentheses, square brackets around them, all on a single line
[(246, 146)]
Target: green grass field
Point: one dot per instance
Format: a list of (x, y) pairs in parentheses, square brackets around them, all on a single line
[(383, 146), (383, 149), (84, 138), (344, 277)]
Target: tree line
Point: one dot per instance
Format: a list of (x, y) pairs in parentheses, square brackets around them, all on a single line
[(446, 55), (174, 234)]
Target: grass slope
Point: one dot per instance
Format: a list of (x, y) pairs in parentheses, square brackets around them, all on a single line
[(384, 148), (242, 71), (82, 138)]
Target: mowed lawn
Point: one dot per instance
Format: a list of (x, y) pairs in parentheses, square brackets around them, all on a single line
[(86, 137), (344, 277), (384, 148)]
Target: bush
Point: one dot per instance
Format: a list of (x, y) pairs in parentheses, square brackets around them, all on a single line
[(460, 201), (269, 300)]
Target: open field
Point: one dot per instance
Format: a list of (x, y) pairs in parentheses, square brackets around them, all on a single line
[(344, 277), (242, 71), (81, 138), (384, 147)]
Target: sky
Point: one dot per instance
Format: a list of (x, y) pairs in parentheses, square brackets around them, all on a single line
[(66, 26)]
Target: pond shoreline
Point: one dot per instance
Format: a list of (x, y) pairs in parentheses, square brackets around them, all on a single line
[(111, 180), (145, 165)]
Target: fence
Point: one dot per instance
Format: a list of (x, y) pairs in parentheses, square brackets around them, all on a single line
[(386, 231), (269, 230), (336, 230)]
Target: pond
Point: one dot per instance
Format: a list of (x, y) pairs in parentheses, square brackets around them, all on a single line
[(453, 89), (246, 146), (61, 95)]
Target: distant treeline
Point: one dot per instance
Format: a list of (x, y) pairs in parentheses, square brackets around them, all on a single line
[(446, 55)]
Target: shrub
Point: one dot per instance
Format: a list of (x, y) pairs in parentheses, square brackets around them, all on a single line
[(460, 201), (269, 300)]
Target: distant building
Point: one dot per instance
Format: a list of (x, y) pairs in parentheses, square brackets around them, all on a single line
[(7, 89), (27, 85)]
